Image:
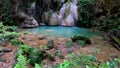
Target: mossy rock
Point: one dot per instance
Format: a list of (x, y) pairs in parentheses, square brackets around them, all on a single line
[(79, 37), (50, 44)]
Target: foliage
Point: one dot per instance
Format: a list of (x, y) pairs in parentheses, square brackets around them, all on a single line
[(87, 62), (59, 54), (7, 12), (1, 25), (85, 12), (22, 62), (37, 65), (24, 49), (76, 61), (114, 64), (35, 56), (43, 47), (99, 14), (10, 28), (7, 33), (11, 35), (76, 37), (15, 42)]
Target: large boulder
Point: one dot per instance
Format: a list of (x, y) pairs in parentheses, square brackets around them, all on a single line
[(30, 22)]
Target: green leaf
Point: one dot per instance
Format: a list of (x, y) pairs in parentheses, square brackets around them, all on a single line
[(37, 65)]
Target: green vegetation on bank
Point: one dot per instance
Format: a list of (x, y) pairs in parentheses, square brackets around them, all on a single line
[(99, 15), (7, 33), (29, 55), (89, 61)]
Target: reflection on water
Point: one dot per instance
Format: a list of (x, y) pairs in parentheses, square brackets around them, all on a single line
[(59, 31)]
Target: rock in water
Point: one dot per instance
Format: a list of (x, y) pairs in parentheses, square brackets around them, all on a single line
[(30, 22), (50, 44)]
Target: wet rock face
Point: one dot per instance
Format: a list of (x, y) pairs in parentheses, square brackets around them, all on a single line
[(26, 14), (57, 12), (49, 12), (69, 14)]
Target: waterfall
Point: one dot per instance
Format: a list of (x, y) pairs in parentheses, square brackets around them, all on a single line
[(51, 12)]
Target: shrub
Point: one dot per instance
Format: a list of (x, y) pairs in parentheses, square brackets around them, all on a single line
[(8, 33), (76, 37), (15, 42), (35, 56), (22, 62), (89, 61), (10, 28), (1, 25), (85, 12), (76, 62), (37, 65), (7, 12)]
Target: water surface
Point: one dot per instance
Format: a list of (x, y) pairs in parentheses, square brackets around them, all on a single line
[(60, 31)]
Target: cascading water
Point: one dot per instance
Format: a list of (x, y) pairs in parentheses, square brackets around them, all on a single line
[(50, 12)]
